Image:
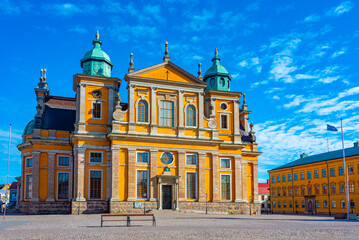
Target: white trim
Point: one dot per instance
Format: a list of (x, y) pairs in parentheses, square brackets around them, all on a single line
[(230, 185), (32, 164), (221, 105), (147, 157), (172, 157), (57, 160), (92, 117), (148, 187), (89, 184), (196, 191), (95, 152), (57, 187), (26, 184), (191, 154), (230, 162), (220, 120), (185, 115), (148, 110)]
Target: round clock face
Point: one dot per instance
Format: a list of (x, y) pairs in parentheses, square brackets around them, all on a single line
[(96, 93)]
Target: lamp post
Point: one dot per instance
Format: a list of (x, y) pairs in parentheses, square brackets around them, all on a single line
[(206, 203)]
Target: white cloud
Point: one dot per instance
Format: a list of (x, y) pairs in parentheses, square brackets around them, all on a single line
[(312, 18), (68, 9), (196, 57), (328, 79), (342, 8), (342, 51), (282, 68), (296, 101), (252, 63)]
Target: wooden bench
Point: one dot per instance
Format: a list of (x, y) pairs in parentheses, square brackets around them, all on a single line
[(128, 218)]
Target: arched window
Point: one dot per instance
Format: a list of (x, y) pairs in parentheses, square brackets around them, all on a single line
[(222, 82), (191, 116), (325, 204), (290, 204), (296, 204), (142, 111), (279, 204), (167, 158)]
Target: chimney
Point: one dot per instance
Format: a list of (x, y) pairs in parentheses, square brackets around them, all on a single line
[(356, 144), (303, 155)]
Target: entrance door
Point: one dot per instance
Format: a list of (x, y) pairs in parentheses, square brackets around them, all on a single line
[(166, 197), (310, 207)]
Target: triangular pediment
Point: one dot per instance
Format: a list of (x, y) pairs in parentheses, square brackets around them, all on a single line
[(167, 71)]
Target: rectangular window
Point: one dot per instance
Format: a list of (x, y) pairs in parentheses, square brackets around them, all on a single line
[(341, 188), (296, 192), (317, 190), (324, 172), (273, 179), (191, 159), (334, 204), (289, 177), (332, 173), (302, 176), (142, 182), (278, 192), (290, 192), (351, 187), (96, 157), (278, 178), (63, 186), (142, 157), (96, 110), (332, 189), (225, 163), (224, 122), (350, 169), (64, 161), (284, 192), (316, 174), (191, 185), (295, 176), (309, 175), (325, 204), (303, 191), (167, 114), (325, 190), (309, 190), (341, 171), (342, 204), (303, 204), (225, 187), (28, 162), (283, 178), (273, 192), (95, 184), (317, 204), (28, 186)]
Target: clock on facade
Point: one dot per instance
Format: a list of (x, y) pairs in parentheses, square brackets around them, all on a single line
[(96, 93)]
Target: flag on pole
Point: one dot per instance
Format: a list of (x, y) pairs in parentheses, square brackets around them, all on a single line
[(331, 128)]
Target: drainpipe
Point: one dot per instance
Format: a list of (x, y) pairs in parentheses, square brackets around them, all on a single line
[(329, 203), (292, 177)]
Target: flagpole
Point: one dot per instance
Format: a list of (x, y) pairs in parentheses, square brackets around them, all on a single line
[(345, 170), (7, 176)]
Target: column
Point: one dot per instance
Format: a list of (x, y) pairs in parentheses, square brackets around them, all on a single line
[(115, 175), (131, 175), (51, 158), (255, 182), (80, 181), (109, 175), (160, 195), (215, 177), (131, 108), (200, 114), (238, 178), (110, 104), (153, 111), (70, 178), (35, 176), (182, 179), (177, 206), (180, 113), (237, 135), (201, 178), (244, 180), (153, 175)]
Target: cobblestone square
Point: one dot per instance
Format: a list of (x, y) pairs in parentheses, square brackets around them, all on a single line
[(179, 225)]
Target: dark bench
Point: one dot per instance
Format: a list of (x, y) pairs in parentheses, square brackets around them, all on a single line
[(128, 218)]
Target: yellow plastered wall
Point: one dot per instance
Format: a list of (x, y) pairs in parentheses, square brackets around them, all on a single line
[(42, 184), (88, 104), (208, 176), (123, 161), (250, 190)]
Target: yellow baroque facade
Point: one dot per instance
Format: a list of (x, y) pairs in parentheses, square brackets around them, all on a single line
[(178, 142), (316, 184)]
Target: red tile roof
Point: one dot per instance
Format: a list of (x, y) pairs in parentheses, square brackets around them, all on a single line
[(263, 188)]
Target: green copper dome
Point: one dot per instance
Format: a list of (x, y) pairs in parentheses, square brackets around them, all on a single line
[(29, 127), (217, 77), (96, 62)]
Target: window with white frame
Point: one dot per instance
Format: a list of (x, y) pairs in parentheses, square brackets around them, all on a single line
[(225, 163), (325, 204), (28, 162), (342, 204), (63, 161), (224, 121), (191, 159), (191, 183), (95, 184), (225, 187), (63, 185), (96, 110), (191, 116), (142, 157), (167, 113), (142, 183), (95, 157), (334, 204), (142, 111), (28, 186)]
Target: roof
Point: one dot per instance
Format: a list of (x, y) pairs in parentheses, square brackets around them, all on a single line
[(353, 151), (263, 188), (58, 119), (216, 69), (96, 54), (13, 185)]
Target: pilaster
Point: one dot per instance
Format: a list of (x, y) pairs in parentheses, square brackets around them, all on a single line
[(35, 176), (115, 175), (109, 175), (153, 174), (131, 175), (51, 159), (82, 110), (200, 114), (244, 180), (238, 178), (180, 113), (110, 105), (131, 109), (201, 178), (182, 179), (237, 135), (80, 176), (153, 111), (215, 191), (255, 182)]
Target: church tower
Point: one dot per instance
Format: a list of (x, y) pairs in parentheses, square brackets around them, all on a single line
[(217, 76)]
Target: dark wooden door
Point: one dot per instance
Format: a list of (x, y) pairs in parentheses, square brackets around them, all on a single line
[(166, 197), (310, 206)]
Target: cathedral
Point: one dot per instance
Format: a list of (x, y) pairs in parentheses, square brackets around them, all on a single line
[(178, 142)]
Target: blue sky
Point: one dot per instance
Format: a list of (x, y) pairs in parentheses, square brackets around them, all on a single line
[(297, 61)]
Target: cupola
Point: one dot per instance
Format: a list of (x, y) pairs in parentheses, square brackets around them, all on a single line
[(96, 62), (217, 77)]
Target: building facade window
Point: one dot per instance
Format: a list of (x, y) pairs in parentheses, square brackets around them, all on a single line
[(278, 192), (95, 184), (302, 176), (167, 113), (273, 179), (273, 204), (191, 116), (316, 174), (142, 183), (341, 171), (63, 186), (296, 192), (95, 157), (278, 178), (325, 190), (142, 115), (224, 121), (303, 204), (316, 190), (273, 192), (283, 178), (167, 158), (284, 204), (332, 187), (342, 204), (295, 176), (191, 182), (303, 191), (352, 204), (225, 163), (28, 163), (309, 190), (191, 159), (309, 175), (290, 204), (325, 204), (225, 187), (290, 191), (332, 172), (279, 205), (324, 172), (142, 157), (284, 192), (351, 187), (350, 169), (289, 177), (63, 161), (317, 204), (341, 188), (96, 110), (296, 204), (28, 186)]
